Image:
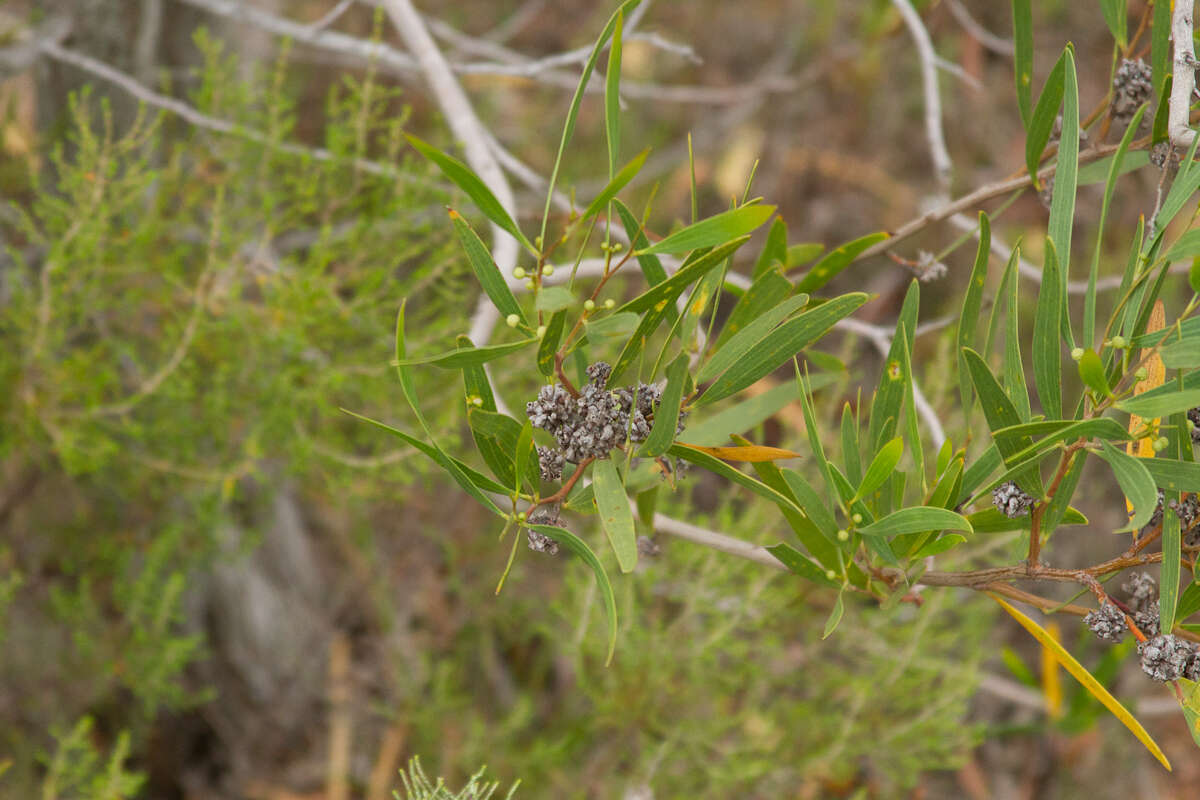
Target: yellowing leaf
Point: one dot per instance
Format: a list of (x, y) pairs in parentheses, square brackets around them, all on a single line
[(1051, 686), (1080, 673), (751, 453), (1156, 374)]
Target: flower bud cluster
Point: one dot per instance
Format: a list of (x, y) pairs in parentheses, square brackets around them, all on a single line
[(597, 421), (1131, 88), (1011, 500)]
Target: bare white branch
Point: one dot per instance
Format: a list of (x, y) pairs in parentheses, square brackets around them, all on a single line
[(1183, 76), (997, 44), (933, 103)]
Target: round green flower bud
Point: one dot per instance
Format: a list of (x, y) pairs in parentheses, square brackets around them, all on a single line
[(519, 273), (1119, 342), (512, 320), (1077, 353), (1160, 444), (541, 331), (589, 305), (548, 270), (610, 303), (830, 574), (843, 535), (856, 517), (1141, 374), (616, 247), (521, 516), (530, 285)]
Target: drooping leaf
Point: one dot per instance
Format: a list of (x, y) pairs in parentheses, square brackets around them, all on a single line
[(581, 549), (457, 359), (1135, 482), (1080, 673), (801, 564), (463, 177), (485, 269)]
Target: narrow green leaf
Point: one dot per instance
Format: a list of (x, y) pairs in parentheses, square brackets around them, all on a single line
[(576, 100), (1091, 370), (462, 176), (617, 325), (775, 250), (716, 230), (1189, 602), (548, 346), (835, 616), (1014, 368), (1151, 405), (1173, 475), (767, 291), (580, 549), (800, 254), (747, 414), (801, 564), (881, 468), (1183, 354), (525, 457), (1066, 175), (837, 260), (939, 545), (1023, 57), (917, 519), (1047, 352), (666, 415), (472, 481), (615, 515), (672, 286), (457, 359), (1168, 581), (1115, 16), (1160, 47), (652, 268), (991, 520), (781, 345), (748, 338), (612, 97), (1135, 482), (1041, 123), (1194, 275), (968, 318), (485, 269), (820, 542), (850, 447), (889, 392), (554, 298), (910, 409), (615, 184)]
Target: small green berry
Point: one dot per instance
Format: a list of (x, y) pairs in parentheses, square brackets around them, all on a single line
[(1077, 353), (857, 518), (1160, 444), (589, 305), (610, 303), (521, 516), (616, 247), (1119, 342), (530, 285), (1141, 374), (548, 270), (830, 574), (843, 535), (519, 273), (512, 320), (541, 331)]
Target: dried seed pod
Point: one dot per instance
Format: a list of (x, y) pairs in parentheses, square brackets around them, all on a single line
[(1165, 657), (1107, 622), (1011, 500)]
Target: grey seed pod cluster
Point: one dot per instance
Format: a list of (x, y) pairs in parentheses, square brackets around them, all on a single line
[(929, 269), (598, 420), (1107, 622), (542, 515), (1142, 590), (1147, 620), (1164, 154), (1131, 88), (1166, 657), (1011, 501), (1194, 416), (550, 462)]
